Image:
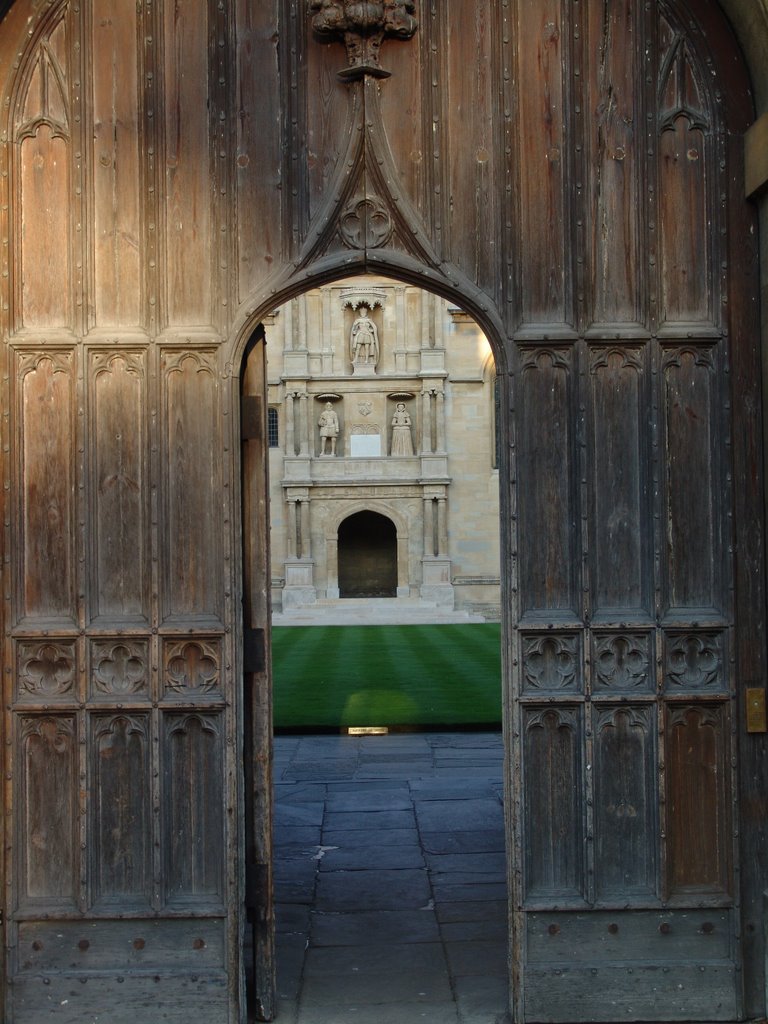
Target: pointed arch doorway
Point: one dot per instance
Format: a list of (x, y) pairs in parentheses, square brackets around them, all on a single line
[(367, 546)]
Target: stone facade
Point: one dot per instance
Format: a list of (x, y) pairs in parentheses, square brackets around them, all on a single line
[(381, 400)]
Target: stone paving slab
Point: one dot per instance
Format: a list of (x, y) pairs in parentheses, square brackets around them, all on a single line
[(298, 792), (299, 813), (454, 816), (398, 755), (296, 835), (480, 999), (481, 841), (481, 957), (466, 739), (451, 789), (402, 927), (490, 862), (295, 892), (450, 893), (293, 918), (364, 857), (368, 821), (378, 837), (487, 930), (359, 786), (402, 771), (467, 910), (365, 799), (291, 950), (415, 987), (308, 771), (391, 1013), (469, 878), (406, 889), (392, 959)]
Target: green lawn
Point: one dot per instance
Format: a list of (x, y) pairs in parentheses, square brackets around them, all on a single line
[(333, 676)]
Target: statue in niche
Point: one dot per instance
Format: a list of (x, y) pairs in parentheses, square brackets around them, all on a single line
[(329, 430), (402, 442), (364, 340)]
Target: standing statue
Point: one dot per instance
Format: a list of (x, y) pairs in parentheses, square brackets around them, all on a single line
[(364, 340), (402, 442), (329, 429)]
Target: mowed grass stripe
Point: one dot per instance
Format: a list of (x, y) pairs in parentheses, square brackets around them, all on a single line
[(460, 671), (334, 676)]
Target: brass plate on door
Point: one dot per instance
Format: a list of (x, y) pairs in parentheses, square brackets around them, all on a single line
[(756, 720)]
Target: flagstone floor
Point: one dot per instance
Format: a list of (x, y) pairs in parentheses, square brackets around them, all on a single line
[(390, 879)]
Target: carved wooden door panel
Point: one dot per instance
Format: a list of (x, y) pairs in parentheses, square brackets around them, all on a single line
[(121, 735), (625, 787)]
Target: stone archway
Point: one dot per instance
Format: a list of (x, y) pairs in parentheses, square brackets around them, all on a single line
[(367, 556)]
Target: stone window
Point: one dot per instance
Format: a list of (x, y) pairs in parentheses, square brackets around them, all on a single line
[(273, 434)]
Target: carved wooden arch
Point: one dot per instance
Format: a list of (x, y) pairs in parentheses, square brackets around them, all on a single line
[(448, 283)]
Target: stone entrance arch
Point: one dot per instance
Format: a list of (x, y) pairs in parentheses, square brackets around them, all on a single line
[(405, 561), (367, 556)]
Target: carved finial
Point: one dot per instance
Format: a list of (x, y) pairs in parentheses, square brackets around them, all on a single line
[(363, 24)]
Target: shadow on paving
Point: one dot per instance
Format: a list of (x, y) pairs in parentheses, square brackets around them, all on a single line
[(390, 879)]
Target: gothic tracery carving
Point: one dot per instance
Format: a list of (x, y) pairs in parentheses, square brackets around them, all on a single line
[(192, 666), (551, 662), (47, 669), (365, 224), (120, 669)]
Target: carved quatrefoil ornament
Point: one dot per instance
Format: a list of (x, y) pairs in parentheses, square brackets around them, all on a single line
[(363, 25), (365, 224)]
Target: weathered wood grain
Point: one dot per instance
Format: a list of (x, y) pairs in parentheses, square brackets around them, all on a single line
[(119, 513), (614, 126), (691, 481), (117, 179), (542, 172), (619, 460), (47, 514), (554, 857), (186, 135), (192, 482), (547, 494), (120, 801)]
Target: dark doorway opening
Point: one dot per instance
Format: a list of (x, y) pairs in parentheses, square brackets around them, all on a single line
[(367, 556)]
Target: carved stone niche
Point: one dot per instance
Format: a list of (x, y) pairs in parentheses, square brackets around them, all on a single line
[(363, 25), (364, 308)]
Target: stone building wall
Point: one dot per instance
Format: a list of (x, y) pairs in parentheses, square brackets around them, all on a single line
[(423, 359)]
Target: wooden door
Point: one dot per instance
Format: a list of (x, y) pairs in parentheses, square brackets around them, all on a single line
[(570, 173), (626, 644), (123, 718)]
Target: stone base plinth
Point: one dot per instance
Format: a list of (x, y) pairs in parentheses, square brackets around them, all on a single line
[(299, 588), (436, 583)]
